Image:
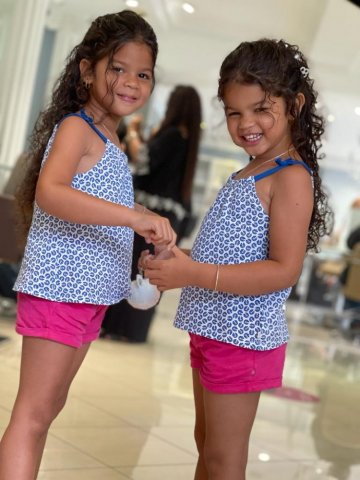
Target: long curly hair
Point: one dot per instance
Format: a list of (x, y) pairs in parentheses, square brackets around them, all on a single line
[(184, 109), (103, 39), (281, 70)]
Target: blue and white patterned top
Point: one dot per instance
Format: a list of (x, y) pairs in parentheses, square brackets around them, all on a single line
[(69, 262), (235, 230)]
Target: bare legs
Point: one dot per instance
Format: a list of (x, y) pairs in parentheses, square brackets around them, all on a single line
[(222, 432), (47, 370)]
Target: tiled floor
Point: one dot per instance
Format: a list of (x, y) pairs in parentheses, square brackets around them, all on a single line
[(130, 412)]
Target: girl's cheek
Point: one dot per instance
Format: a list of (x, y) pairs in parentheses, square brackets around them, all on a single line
[(266, 121)]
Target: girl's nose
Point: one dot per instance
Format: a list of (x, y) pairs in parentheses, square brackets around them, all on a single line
[(132, 81), (246, 121)]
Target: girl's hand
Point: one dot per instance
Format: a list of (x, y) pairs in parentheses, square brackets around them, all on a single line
[(175, 272), (145, 255), (162, 253), (154, 229)]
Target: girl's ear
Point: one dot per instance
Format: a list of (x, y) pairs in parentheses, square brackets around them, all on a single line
[(85, 71), (299, 102)]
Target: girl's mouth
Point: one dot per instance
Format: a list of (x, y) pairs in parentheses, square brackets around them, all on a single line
[(252, 137), (127, 98)]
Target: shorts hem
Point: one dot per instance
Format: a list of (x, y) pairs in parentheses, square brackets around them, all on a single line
[(245, 387), (91, 337), (49, 335)]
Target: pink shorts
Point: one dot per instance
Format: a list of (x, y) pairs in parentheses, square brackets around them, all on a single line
[(226, 368), (72, 324)]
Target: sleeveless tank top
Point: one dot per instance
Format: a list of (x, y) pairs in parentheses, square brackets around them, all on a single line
[(70, 262), (235, 230)]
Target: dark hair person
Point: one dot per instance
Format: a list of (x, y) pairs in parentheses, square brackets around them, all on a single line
[(80, 200), (249, 250)]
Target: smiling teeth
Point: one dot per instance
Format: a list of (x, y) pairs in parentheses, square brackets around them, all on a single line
[(252, 137)]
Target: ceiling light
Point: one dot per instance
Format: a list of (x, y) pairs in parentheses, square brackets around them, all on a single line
[(188, 7), (132, 3), (357, 110), (264, 457), (330, 118)]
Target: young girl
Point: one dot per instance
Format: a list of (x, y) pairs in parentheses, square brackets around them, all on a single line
[(249, 250), (79, 249)]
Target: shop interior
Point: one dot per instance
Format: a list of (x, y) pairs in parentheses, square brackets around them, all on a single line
[(131, 411)]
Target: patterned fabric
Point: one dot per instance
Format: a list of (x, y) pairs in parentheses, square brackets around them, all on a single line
[(235, 230), (78, 263)]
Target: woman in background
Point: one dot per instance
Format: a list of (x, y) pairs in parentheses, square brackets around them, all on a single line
[(163, 179)]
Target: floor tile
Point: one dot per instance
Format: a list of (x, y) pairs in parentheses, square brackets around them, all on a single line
[(173, 472), (82, 474), (124, 446), (60, 454)]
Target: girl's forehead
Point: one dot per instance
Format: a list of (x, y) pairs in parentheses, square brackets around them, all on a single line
[(243, 95), (137, 48), (244, 92)]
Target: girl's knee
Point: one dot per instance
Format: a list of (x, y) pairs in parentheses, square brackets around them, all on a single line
[(38, 416), (224, 463)]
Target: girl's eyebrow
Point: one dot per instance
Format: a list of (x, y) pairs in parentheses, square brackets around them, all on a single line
[(260, 102), (121, 62)]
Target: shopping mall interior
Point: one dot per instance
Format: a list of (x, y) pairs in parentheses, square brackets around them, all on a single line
[(130, 411)]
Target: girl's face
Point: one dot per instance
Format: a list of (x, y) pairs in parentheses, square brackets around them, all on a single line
[(256, 122), (124, 85)]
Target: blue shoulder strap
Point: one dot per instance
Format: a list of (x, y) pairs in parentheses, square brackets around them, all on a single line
[(280, 165), (88, 120)]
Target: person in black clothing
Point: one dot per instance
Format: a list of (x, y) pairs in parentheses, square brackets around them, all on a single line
[(352, 240), (163, 178)]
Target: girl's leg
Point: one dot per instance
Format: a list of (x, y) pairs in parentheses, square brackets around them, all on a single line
[(229, 420), (200, 472), (46, 372), (79, 358)]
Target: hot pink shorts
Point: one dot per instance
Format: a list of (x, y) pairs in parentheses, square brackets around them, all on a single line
[(72, 324), (226, 368)]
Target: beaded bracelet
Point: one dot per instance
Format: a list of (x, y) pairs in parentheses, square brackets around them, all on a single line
[(131, 135)]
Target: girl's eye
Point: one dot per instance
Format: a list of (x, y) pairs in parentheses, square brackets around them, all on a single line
[(145, 76), (232, 114), (117, 69), (261, 109)]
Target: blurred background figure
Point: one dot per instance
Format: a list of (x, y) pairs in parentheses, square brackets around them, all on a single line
[(164, 168), (350, 281)]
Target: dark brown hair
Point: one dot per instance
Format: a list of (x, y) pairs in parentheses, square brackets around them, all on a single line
[(105, 36), (281, 70), (184, 109)]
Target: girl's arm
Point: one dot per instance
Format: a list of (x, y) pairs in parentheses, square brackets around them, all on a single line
[(75, 145), (133, 137), (291, 208)]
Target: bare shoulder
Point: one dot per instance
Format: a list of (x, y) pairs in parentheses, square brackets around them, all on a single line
[(74, 127), (294, 177), (74, 135), (292, 187)]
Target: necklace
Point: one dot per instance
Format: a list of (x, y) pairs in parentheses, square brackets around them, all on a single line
[(108, 131), (268, 161)]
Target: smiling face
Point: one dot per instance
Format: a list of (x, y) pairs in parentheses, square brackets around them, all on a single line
[(256, 122), (124, 85)]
